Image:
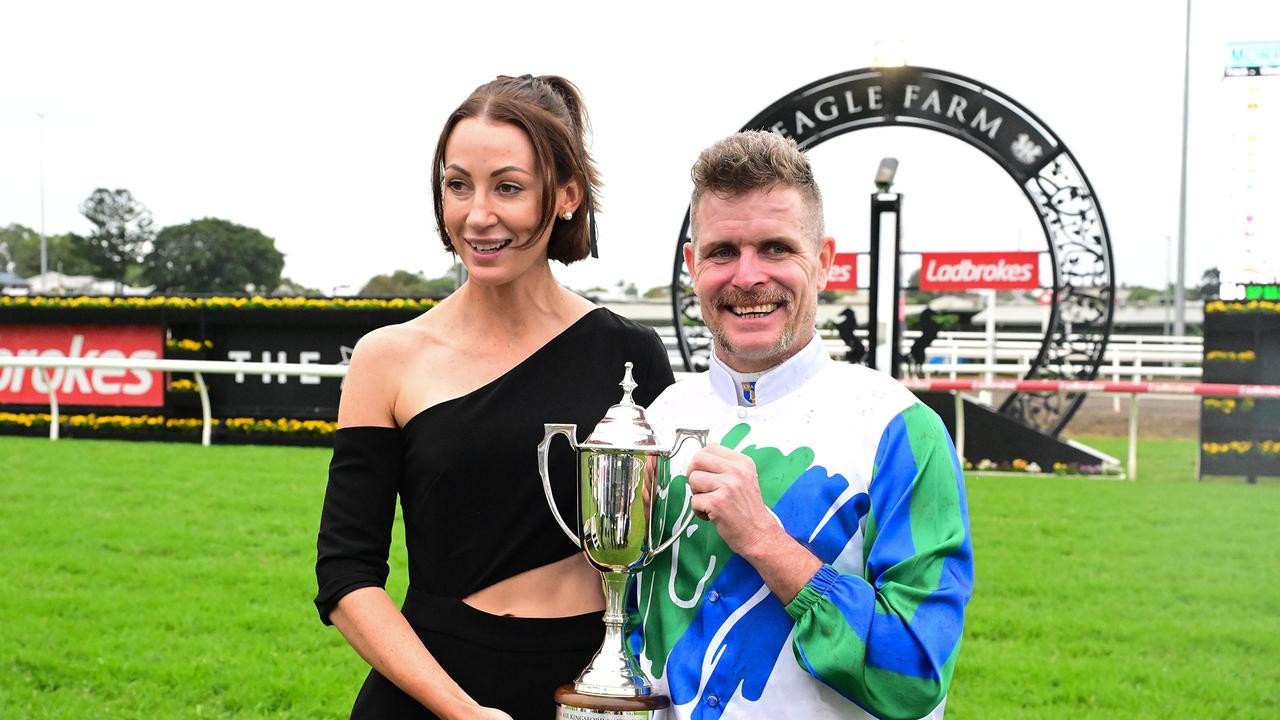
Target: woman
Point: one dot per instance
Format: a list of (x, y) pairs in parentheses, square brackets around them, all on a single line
[(446, 411)]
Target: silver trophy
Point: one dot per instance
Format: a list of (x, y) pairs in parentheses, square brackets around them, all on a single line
[(620, 468)]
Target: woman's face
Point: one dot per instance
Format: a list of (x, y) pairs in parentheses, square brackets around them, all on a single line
[(492, 199)]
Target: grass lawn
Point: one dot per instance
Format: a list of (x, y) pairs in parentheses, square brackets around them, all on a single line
[(147, 580)]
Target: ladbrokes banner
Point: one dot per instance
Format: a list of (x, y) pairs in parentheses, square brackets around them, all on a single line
[(844, 272), (81, 386), (980, 271)]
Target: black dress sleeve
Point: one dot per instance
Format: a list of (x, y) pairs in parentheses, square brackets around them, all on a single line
[(653, 367), (359, 511)]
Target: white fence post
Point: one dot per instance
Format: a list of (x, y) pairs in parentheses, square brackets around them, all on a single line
[(1115, 377), (206, 428), (1133, 436), (53, 403)]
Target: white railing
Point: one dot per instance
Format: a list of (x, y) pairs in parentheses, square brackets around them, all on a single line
[(198, 368), (955, 354), (1134, 390)]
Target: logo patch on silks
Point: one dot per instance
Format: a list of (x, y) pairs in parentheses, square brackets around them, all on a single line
[(749, 391)]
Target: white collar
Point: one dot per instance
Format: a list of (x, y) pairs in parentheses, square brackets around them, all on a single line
[(776, 382)]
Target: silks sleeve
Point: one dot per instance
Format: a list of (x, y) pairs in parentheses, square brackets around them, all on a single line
[(888, 640)]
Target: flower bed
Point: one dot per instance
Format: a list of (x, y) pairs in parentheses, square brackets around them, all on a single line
[(187, 345), (1243, 356), (1227, 406), (1251, 306), (289, 431), (256, 302), (1018, 465)]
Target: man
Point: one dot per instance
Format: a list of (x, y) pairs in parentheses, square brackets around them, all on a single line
[(827, 569)]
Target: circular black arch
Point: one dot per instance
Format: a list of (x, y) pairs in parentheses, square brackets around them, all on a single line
[(1079, 246)]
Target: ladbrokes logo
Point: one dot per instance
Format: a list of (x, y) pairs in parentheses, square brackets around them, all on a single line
[(974, 271), (844, 272), (81, 386)]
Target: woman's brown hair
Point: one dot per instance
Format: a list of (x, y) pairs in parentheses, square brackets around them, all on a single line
[(549, 110)]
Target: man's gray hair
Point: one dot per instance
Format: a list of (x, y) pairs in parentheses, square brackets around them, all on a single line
[(756, 160)]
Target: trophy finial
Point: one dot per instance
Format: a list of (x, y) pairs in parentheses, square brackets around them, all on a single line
[(627, 385)]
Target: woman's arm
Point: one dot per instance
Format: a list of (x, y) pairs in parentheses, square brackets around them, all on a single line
[(355, 534), (373, 625)]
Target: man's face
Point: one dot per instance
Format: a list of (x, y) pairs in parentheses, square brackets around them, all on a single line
[(757, 274)]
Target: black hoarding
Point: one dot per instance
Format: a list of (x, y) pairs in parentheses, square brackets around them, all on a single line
[(302, 336), (320, 335)]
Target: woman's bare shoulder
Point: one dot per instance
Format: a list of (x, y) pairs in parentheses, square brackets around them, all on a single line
[(378, 361), (389, 343)]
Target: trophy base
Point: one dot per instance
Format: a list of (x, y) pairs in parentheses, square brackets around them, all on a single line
[(573, 705)]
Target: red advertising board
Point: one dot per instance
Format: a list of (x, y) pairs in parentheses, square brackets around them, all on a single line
[(844, 272), (980, 271), (81, 386)]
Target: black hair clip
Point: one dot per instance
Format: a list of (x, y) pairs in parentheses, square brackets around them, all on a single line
[(525, 76)]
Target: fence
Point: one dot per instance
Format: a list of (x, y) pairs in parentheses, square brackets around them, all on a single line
[(955, 353), (1132, 389), (196, 367), (199, 367)]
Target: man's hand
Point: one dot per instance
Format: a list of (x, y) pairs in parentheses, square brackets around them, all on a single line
[(726, 491)]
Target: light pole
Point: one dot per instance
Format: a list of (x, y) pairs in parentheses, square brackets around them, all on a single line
[(1179, 289), (44, 240), (1168, 283)]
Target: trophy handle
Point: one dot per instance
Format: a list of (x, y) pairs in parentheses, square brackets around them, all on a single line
[(569, 432), (681, 435)]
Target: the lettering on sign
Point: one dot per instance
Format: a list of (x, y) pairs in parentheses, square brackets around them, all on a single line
[(844, 272), (949, 107), (305, 357), (82, 386), (978, 271), (919, 97)]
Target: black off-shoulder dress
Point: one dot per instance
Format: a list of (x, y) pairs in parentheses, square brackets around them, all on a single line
[(466, 474)]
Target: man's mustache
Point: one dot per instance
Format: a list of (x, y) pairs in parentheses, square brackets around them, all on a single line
[(739, 298)]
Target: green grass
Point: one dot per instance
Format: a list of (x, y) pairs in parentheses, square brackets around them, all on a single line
[(146, 580), (1159, 461)]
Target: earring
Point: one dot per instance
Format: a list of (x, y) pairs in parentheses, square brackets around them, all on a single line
[(568, 215)]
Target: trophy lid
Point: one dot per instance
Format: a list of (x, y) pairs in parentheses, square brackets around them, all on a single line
[(624, 426)]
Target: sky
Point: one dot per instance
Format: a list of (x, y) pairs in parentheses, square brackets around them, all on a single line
[(315, 122)]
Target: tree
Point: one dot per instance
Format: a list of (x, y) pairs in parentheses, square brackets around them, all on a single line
[(213, 255), (122, 232), (289, 286), (659, 292), (1140, 295), (1208, 287), (914, 294), (66, 252), (403, 283)]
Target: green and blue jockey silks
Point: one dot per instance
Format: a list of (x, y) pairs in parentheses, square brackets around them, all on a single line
[(865, 477)]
